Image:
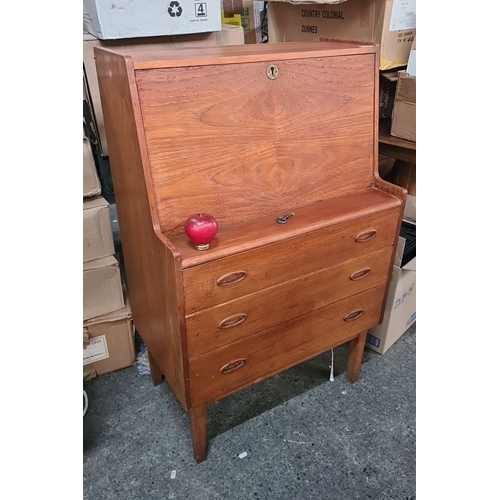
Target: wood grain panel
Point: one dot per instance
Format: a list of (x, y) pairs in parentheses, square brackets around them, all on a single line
[(239, 145), (287, 259), (207, 330), (280, 347), (264, 230), (151, 281)]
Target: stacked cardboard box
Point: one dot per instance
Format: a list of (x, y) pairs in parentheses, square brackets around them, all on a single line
[(102, 282), (248, 14), (107, 319), (398, 98), (108, 342), (404, 113), (118, 19), (391, 23)]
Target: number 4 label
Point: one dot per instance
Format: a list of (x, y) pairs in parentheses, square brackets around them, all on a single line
[(200, 9)]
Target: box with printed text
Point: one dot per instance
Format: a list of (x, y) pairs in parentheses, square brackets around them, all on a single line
[(390, 23), (108, 342), (115, 19)]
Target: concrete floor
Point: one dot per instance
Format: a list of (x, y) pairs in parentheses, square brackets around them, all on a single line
[(305, 437)]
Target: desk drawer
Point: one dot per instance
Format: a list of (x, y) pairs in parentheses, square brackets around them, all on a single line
[(226, 279), (227, 369), (226, 323)]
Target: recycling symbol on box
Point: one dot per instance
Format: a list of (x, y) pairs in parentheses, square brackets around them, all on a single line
[(174, 9)]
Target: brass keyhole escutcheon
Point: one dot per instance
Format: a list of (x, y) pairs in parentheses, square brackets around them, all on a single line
[(272, 72)]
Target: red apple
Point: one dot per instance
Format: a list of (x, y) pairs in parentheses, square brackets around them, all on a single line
[(201, 229)]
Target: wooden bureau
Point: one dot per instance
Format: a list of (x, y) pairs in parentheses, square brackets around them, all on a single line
[(248, 134)]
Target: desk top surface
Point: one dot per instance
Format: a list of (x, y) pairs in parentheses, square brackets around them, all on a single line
[(148, 57)]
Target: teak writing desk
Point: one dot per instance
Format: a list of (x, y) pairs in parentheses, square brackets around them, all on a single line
[(248, 134)]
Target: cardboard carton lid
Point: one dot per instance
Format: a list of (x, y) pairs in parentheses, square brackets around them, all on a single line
[(101, 262), (118, 315), (407, 88), (96, 202), (412, 265), (398, 258)]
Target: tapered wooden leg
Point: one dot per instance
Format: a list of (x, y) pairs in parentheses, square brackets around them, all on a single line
[(198, 417), (154, 369), (355, 356)]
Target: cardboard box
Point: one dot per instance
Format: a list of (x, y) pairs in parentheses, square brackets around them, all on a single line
[(97, 232), (91, 182), (401, 307), (102, 287), (252, 17), (404, 113), (108, 342), (391, 23), (229, 35), (118, 19), (245, 13)]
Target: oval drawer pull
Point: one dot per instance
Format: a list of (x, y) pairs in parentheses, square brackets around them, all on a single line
[(366, 235), (234, 320), (231, 278), (233, 365), (358, 275), (354, 315)]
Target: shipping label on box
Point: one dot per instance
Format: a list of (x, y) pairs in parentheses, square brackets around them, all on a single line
[(96, 349), (117, 19), (403, 15)]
